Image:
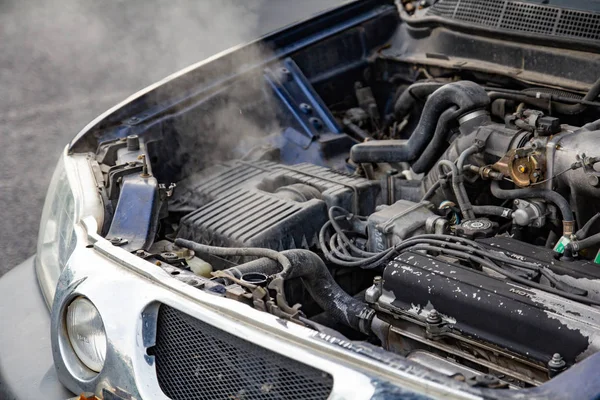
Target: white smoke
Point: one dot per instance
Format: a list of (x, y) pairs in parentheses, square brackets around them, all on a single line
[(63, 62)]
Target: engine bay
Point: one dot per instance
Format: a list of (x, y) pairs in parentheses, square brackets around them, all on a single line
[(448, 215)]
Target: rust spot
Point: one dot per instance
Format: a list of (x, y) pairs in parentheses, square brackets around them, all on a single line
[(87, 396)]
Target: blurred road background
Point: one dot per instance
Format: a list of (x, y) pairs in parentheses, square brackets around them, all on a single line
[(63, 62)]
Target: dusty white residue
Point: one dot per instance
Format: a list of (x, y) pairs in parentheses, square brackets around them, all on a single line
[(406, 268), (422, 312), (520, 312), (591, 285), (572, 315)]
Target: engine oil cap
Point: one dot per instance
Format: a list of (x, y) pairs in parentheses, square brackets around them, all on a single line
[(476, 228)]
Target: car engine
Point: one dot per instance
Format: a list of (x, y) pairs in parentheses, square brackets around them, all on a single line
[(445, 215)]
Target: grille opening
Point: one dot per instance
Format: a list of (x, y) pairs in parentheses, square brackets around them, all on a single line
[(195, 360)]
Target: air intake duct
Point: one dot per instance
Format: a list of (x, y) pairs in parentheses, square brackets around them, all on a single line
[(464, 95)]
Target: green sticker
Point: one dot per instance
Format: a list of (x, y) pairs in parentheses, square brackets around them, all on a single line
[(562, 243), (597, 259)]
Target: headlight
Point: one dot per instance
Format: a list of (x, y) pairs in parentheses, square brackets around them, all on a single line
[(57, 239), (85, 330), (72, 195)]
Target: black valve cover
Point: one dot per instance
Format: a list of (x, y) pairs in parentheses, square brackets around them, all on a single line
[(526, 321)]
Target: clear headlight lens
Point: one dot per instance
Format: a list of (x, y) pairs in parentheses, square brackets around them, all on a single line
[(57, 237), (72, 194), (86, 333)]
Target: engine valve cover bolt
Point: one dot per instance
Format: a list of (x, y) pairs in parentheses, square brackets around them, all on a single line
[(556, 365)]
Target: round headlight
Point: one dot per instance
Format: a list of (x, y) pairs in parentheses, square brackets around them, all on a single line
[(86, 333)]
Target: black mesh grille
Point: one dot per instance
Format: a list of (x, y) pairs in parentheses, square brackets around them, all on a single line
[(195, 360), (521, 17), (579, 24)]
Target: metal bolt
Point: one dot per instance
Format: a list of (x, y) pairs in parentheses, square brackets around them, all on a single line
[(377, 280), (433, 317), (286, 74), (118, 241), (169, 256), (144, 173), (556, 365), (316, 123), (306, 108), (140, 253), (516, 202), (133, 143), (556, 361)]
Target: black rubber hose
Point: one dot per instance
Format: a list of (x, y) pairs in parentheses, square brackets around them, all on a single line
[(590, 126), (432, 190), (237, 251), (427, 159), (356, 131), (586, 243), (548, 195), (493, 210), (509, 275), (409, 97), (465, 95), (548, 100), (519, 97), (585, 229), (459, 189), (319, 283), (572, 109)]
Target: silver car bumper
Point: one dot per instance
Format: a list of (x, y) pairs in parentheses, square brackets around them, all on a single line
[(126, 289)]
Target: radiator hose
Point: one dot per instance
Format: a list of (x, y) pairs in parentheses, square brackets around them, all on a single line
[(465, 95), (319, 283), (303, 264)]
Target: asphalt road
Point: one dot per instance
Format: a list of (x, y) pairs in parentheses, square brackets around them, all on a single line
[(64, 62)]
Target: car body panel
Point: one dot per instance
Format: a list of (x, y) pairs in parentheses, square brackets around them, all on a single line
[(26, 366)]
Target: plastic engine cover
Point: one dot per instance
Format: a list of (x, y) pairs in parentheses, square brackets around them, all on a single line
[(265, 204)]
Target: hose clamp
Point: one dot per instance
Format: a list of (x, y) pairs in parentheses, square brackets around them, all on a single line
[(471, 115), (364, 320)]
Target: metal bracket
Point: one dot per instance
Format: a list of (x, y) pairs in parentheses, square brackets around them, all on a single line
[(310, 115)]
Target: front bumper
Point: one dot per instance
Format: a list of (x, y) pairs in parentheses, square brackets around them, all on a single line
[(127, 290), (26, 365)]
